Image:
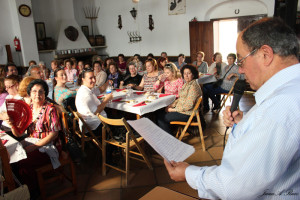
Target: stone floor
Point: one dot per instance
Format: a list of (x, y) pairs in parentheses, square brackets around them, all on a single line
[(92, 185)]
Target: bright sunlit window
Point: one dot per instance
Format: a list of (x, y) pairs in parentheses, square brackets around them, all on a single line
[(225, 37)]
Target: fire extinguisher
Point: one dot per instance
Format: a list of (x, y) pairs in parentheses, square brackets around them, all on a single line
[(17, 44)]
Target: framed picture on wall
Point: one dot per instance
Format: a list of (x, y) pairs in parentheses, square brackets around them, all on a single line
[(176, 7), (85, 30), (40, 30)]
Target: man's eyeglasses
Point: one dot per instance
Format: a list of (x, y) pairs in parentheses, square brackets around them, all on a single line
[(240, 62)]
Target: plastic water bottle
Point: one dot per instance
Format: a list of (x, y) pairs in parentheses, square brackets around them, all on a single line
[(108, 91), (75, 80)]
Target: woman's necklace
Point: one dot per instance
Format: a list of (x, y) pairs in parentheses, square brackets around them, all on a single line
[(37, 113)]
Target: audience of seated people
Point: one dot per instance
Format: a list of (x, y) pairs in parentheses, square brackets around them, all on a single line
[(150, 78), (61, 91), (171, 79), (200, 63), (229, 75), (133, 79), (182, 108)]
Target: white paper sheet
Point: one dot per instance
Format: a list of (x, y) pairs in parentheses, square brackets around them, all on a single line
[(165, 144)]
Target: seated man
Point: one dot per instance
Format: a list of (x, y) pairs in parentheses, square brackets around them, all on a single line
[(10, 69), (211, 89), (261, 159)]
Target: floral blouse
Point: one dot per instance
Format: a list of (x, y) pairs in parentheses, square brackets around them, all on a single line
[(188, 96), (46, 122), (171, 87), (61, 93), (150, 81)]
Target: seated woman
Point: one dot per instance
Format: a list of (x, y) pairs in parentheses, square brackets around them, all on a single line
[(217, 67), (61, 91), (114, 76), (100, 75), (150, 78), (229, 76), (201, 65), (171, 80), (87, 103), (182, 108), (121, 64), (71, 73), (45, 127), (133, 79), (12, 85), (161, 62)]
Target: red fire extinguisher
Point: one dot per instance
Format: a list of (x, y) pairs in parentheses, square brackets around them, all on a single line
[(17, 44)]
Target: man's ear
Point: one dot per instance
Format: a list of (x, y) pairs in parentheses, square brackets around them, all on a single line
[(268, 54)]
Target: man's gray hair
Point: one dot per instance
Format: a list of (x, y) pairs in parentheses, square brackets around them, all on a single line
[(274, 33)]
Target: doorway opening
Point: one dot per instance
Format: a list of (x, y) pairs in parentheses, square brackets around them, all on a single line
[(225, 35)]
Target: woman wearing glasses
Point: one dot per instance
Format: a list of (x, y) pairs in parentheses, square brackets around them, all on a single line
[(61, 91), (150, 78), (12, 86), (171, 80), (43, 131), (182, 108), (87, 103)]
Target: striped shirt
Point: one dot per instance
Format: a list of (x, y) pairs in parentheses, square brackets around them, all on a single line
[(262, 156)]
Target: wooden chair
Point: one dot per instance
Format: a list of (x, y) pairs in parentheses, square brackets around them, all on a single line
[(59, 173), (225, 96), (81, 134), (190, 122), (131, 142), (8, 176)]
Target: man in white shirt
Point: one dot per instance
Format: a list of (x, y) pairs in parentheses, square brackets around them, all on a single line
[(261, 159)]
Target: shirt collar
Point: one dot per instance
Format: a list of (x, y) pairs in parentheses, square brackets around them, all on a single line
[(276, 81)]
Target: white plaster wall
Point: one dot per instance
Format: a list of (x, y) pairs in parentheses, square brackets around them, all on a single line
[(171, 32)]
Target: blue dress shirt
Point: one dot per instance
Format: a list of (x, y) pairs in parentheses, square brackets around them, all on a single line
[(262, 158)]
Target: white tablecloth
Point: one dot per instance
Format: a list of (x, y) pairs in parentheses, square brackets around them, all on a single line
[(140, 110), (14, 148)]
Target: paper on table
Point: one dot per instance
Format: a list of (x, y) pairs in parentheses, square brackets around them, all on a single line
[(165, 144)]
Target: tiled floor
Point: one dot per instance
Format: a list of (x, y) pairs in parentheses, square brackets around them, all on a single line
[(92, 185)]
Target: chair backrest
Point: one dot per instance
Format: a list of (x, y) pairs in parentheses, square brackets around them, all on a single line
[(115, 122), (196, 108), (78, 116)]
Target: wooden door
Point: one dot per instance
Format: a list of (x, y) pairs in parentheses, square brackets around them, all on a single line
[(202, 39)]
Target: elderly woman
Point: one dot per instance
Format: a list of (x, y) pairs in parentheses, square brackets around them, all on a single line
[(171, 80), (114, 76), (134, 78), (151, 77), (12, 86), (201, 65), (61, 91), (23, 89), (182, 108), (100, 75), (45, 127), (86, 101)]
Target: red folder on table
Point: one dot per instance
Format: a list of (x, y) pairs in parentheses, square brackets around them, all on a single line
[(20, 113)]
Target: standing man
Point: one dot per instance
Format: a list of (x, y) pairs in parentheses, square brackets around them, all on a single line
[(262, 156), (10, 69)]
